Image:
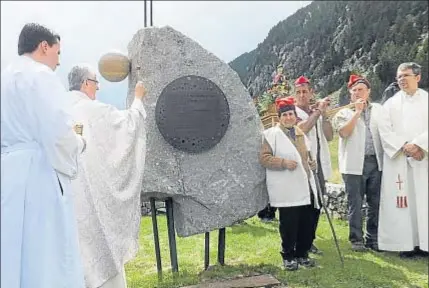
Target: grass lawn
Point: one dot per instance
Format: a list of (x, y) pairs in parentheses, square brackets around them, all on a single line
[(253, 247)]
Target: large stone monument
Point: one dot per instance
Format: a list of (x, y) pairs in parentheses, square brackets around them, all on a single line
[(203, 131)]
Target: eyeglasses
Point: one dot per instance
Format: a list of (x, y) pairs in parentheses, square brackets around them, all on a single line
[(404, 76), (93, 80)]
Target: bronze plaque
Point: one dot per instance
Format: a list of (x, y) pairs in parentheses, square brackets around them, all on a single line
[(192, 114)]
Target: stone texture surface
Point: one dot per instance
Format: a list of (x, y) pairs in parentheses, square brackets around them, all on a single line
[(336, 201), (215, 188)]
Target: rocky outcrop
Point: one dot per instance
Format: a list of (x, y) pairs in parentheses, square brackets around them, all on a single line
[(327, 40)]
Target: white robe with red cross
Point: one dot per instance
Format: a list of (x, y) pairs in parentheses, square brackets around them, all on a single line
[(403, 216)]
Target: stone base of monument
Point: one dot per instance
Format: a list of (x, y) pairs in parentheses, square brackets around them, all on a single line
[(168, 204), (171, 234), (220, 248), (266, 281)]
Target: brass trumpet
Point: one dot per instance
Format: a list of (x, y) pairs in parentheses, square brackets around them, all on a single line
[(331, 113)]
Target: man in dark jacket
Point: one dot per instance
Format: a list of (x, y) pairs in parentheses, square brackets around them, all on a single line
[(389, 92)]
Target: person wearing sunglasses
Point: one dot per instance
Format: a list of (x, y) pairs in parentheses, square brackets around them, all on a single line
[(107, 188)]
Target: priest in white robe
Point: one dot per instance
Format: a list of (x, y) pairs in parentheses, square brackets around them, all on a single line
[(39, 153), (107, 189), (403, 127)]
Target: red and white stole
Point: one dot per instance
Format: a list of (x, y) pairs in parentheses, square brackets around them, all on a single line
[(401, 200)]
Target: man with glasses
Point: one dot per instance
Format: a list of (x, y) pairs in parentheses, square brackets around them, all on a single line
[(403, 127), (107, 189)]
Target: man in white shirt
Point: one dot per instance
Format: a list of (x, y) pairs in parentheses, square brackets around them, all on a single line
[(404, 194), (319, 131), (360, 156), (107, 189)]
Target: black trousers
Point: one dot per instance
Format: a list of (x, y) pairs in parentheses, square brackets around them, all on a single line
[(296, 230)]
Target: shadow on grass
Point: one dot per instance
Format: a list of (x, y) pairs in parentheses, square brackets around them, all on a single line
[(358, 273), (213, 274), (370, 268), (256, 230), (361, 270)]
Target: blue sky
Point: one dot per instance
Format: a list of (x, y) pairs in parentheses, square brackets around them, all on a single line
[(89, 29)]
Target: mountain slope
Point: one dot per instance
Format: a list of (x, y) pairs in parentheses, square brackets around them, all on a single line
[(326, 41)]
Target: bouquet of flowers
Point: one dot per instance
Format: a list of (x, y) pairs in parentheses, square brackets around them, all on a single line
[(279, 88)]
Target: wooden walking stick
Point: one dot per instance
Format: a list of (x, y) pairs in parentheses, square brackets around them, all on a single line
[(322, 200)]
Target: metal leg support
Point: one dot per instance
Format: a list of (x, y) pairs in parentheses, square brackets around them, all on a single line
[(171, 234), (156, 237), (207, 250), (221, 247)]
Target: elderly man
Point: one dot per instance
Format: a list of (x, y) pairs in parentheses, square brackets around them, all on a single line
[(404, 194), (319, 131), (291, 186), (39, 151), (107, 189), (360, 157)]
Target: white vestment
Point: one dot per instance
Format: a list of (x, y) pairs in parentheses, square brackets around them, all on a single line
[(107, 189), (405, 180), (39, 152), (288, 188), (119, 281), (325, 155)]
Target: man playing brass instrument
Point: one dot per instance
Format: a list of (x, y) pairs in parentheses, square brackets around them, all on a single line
[(314, 123), (360, 156)]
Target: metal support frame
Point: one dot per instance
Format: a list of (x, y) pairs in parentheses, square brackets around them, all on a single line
[(156, 237), (220, 248), (171, 235), (172, 239), (150, 13), (206, 250)]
